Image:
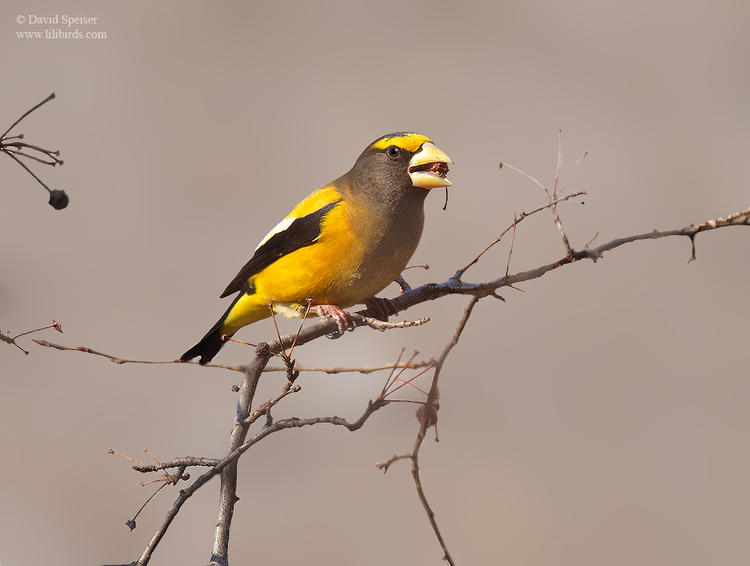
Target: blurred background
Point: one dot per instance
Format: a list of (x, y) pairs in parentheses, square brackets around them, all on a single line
[(599, 417)]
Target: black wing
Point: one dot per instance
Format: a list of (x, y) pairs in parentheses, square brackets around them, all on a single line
[(300, 233)]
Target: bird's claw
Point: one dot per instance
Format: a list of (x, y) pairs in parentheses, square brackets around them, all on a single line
[(344, 320), (380, 309)]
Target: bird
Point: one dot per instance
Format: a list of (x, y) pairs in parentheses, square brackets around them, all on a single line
[(340, 245)]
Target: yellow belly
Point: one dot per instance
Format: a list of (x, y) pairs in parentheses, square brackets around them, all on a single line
[(347, 265)]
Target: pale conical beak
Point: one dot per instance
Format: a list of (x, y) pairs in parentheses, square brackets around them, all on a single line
[(429, 167)]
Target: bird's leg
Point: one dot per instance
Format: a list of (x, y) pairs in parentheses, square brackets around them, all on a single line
[(380, 308), (343, 319)]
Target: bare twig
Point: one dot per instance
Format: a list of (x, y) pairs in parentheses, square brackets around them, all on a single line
[(382, 326), (221, 539), (427, 415), (241, 369), (512, 247), (516, 220), (185, 462), (385, 464), (553, 196), (505, 164), (8, 339), (393, 375), (228, 490), (265, 408), (165, 477), (741, 218), (119, 360), (10, 146), (229, 473), (358, 369), (390, 390), (131, 522), (29, 111)]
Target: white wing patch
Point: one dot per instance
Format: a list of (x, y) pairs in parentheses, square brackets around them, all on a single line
[(280, 227)]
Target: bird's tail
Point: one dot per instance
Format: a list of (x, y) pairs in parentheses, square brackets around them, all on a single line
[(210, 344), (245, 308)]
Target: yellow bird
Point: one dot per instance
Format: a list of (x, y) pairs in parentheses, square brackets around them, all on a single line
[(341, 245)]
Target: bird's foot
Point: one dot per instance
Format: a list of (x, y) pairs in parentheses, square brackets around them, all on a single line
[(343, 319), (380, 308)]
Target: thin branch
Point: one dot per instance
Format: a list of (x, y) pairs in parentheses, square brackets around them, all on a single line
[(29, 156), (455, 286), (185, 462), (510, 250), (12, 340), (119, 360), (427, 415), (553, 196), (382, 325), (10, 146), (359, 369), (558, 223), (265, 408), (428, 418), (241, 369), (131, 522), (227, 467), (741, 218), (229, 476), (385, 464), (230, 460), (228, 490), (516, 220), (392, 375), (19, 145), (505, 164), (29, 111), (20, 149), (29, 171), (408, 382)]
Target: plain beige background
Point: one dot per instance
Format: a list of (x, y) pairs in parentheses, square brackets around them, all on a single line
[(601, 417)]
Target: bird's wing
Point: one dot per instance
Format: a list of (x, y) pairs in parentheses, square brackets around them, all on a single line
[(301, 228)]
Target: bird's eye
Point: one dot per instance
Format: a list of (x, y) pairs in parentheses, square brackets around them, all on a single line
[(393, 152)]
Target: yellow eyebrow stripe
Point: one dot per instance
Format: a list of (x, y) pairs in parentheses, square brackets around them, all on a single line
[(409, 142)]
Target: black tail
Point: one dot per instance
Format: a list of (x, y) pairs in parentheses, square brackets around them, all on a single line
[(211, 343)]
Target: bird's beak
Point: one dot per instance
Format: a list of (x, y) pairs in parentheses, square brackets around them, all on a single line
[(429, 167)]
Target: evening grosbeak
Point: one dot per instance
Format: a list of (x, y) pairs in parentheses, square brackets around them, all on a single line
[(340, 245)]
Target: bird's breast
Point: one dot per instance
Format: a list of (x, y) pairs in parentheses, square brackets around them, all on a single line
[(388, 243)]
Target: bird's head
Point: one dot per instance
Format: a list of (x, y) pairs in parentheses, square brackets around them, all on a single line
[(400, 162)]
